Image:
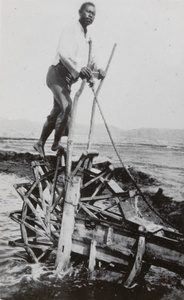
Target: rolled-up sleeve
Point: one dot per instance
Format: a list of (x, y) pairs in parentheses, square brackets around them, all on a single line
[(67, 50), (73, 50)]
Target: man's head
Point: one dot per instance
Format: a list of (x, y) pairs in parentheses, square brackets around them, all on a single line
[(87, 14)]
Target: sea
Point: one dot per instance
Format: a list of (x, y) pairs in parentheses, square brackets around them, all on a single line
[(22, 280)]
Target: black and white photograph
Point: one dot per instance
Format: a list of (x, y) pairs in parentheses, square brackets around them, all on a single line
[(92, 150)]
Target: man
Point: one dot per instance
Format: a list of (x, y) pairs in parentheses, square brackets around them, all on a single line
[(69, 65)]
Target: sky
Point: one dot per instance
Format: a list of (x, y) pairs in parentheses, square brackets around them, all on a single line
[(144, 86)]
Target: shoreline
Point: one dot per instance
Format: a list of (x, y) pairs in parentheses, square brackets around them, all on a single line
[(17, 163)]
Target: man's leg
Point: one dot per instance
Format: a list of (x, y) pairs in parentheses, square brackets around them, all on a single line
[(47, 129), (60, 130), (59, 114), (65, 104)]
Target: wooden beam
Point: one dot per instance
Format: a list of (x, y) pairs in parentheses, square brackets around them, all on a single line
[(24, 235), (103, 252), (109, 239), (96, 198), (94, 179), (92, 256), (67, 225), (137, 266), (115, 188), (105, 213), (88, 211), (72, 119)]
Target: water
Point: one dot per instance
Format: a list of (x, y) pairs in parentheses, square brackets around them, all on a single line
[(21, 280), (163, 162)]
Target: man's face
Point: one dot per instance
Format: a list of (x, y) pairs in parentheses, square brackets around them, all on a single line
[(87, 15)]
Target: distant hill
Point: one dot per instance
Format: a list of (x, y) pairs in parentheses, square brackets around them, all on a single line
[(28, 129)]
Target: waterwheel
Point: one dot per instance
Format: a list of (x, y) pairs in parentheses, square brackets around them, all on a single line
[(41, 214)]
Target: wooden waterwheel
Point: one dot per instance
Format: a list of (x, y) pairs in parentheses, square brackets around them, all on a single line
[(41, 214)]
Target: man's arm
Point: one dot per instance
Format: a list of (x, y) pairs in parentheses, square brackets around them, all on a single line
[(67, 51)]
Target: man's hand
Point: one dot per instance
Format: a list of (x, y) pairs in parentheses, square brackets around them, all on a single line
[(101, 74), (85, 73)]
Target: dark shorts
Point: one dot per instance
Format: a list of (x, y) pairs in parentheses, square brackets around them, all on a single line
[(55, 76)]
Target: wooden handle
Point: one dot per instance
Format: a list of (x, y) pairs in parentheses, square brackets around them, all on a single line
[(73, 117), (94, 100)]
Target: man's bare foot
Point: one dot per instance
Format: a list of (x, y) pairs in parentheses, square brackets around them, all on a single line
[(39, 148), (56, 147)]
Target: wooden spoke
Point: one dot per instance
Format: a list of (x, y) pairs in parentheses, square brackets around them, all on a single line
[(96, 198), (41, 212), (25, 236), (105, 213), (94, 179), (88, 211)]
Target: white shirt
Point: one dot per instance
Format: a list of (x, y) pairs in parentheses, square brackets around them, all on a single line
[(73, 49)]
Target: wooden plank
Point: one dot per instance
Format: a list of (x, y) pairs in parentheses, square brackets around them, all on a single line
[(132, 215), (136, 269), (96, 198), (84, 230), (158, 252), (39, 163), (158, 255), (92, 256), (101, 234), (105, 213), (94, 179), (114, 187), (24, 235), (150, 226), (130, 208), (109, 239), (106, 254), (90, 152), (95, 171), (88, 211)]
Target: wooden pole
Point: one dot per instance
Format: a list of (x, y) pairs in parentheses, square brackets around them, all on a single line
[(72, 121), (67, 226), (94, 101), (72, 193)]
